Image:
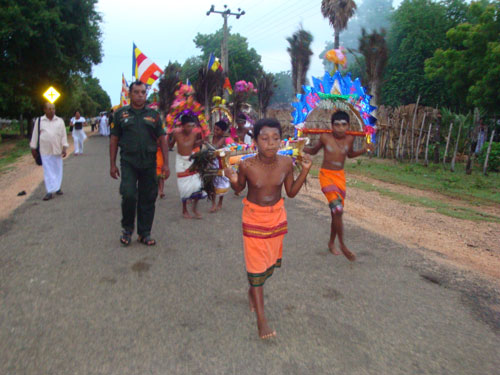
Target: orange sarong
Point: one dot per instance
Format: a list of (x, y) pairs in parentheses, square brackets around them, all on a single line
[(159, 161), (263, 231), (333, 186)]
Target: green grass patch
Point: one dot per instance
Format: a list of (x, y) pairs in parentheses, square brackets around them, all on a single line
[(11, 151), (475, 188), (440, 207)]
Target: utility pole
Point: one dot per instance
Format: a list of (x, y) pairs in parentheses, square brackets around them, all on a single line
[(224, 50)]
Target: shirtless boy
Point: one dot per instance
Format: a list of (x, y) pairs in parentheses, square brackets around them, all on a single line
[(337, 146), (264, 217), (189, 183)]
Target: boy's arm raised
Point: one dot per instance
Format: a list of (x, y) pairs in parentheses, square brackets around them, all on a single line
[(238, 180), (314, 149), (353, 154), (292, 187)]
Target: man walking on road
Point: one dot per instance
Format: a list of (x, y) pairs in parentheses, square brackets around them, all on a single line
[(53, 146), (137, 129)]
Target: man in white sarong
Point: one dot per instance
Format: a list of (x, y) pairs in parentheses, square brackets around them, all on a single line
[(53, 146), (103, 125), (188, 182)]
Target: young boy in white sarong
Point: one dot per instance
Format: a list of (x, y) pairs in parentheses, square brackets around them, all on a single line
[(189, 183), (221, 183)]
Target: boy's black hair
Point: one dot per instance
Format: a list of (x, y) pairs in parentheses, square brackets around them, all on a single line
[(187, 118), (340, 115), (241, 117), (269, 122), (135, 83), (222, 125)]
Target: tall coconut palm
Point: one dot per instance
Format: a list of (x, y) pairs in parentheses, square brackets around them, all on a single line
[(338, 13), (265, 91), (374, 49), (300, 55)]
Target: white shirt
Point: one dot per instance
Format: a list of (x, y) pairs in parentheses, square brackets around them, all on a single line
[(52, 136), (75, 120)]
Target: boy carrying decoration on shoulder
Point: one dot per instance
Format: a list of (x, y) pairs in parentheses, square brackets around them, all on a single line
[(337, 146), (188, 182), (264, 217)]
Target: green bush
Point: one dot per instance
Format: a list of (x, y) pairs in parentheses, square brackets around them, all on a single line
[(494, 158)]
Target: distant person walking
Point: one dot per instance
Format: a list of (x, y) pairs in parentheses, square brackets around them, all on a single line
[(53, 146), (104, 125), (78, 133), (137, 130)]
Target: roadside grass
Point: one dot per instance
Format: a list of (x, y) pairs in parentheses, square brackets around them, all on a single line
[(475, 188), (12, 150), (457, 212)]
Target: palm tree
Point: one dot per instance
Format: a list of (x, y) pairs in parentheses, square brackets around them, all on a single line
[(265, 91), (338, 13), (374, 49), (300, 55), (208, 84), (168, 85)]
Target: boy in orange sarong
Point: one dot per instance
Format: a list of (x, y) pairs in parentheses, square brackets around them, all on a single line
[(264, 216), (337, 146)]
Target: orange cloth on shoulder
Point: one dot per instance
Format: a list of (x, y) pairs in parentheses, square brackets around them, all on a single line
[(159, 161), (332, 184), (263, 231)]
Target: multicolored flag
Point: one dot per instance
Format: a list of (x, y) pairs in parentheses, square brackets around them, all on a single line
[(124, 99), (227, 86), (214, 63), (143, 68)]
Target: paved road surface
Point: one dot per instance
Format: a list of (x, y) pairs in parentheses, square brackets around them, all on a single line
[(73, 301)]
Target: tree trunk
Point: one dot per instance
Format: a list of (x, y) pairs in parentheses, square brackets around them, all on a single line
[(447, 143), (336, 41), (427, 145), (420, 138), (456, 148), (298, 88), (485, 167)]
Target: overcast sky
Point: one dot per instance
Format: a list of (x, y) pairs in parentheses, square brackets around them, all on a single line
[(164, 30)]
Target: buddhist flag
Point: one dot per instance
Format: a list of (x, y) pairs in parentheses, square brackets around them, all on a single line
[(143, 68), (227, 86), (214, 63), (124, 99)]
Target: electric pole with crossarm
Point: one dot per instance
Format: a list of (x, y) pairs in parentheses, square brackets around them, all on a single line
[(224, 50)]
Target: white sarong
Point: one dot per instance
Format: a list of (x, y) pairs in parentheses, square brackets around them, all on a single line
[(52, 172), (79, 137), (189, 183), (103, 126)]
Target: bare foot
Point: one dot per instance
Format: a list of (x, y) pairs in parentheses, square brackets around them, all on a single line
[(348, 254), (264, 331), (213, 209), (333, 250), (219, 207), (250, 301), (197, 215), (162, 195), (186, 215)]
